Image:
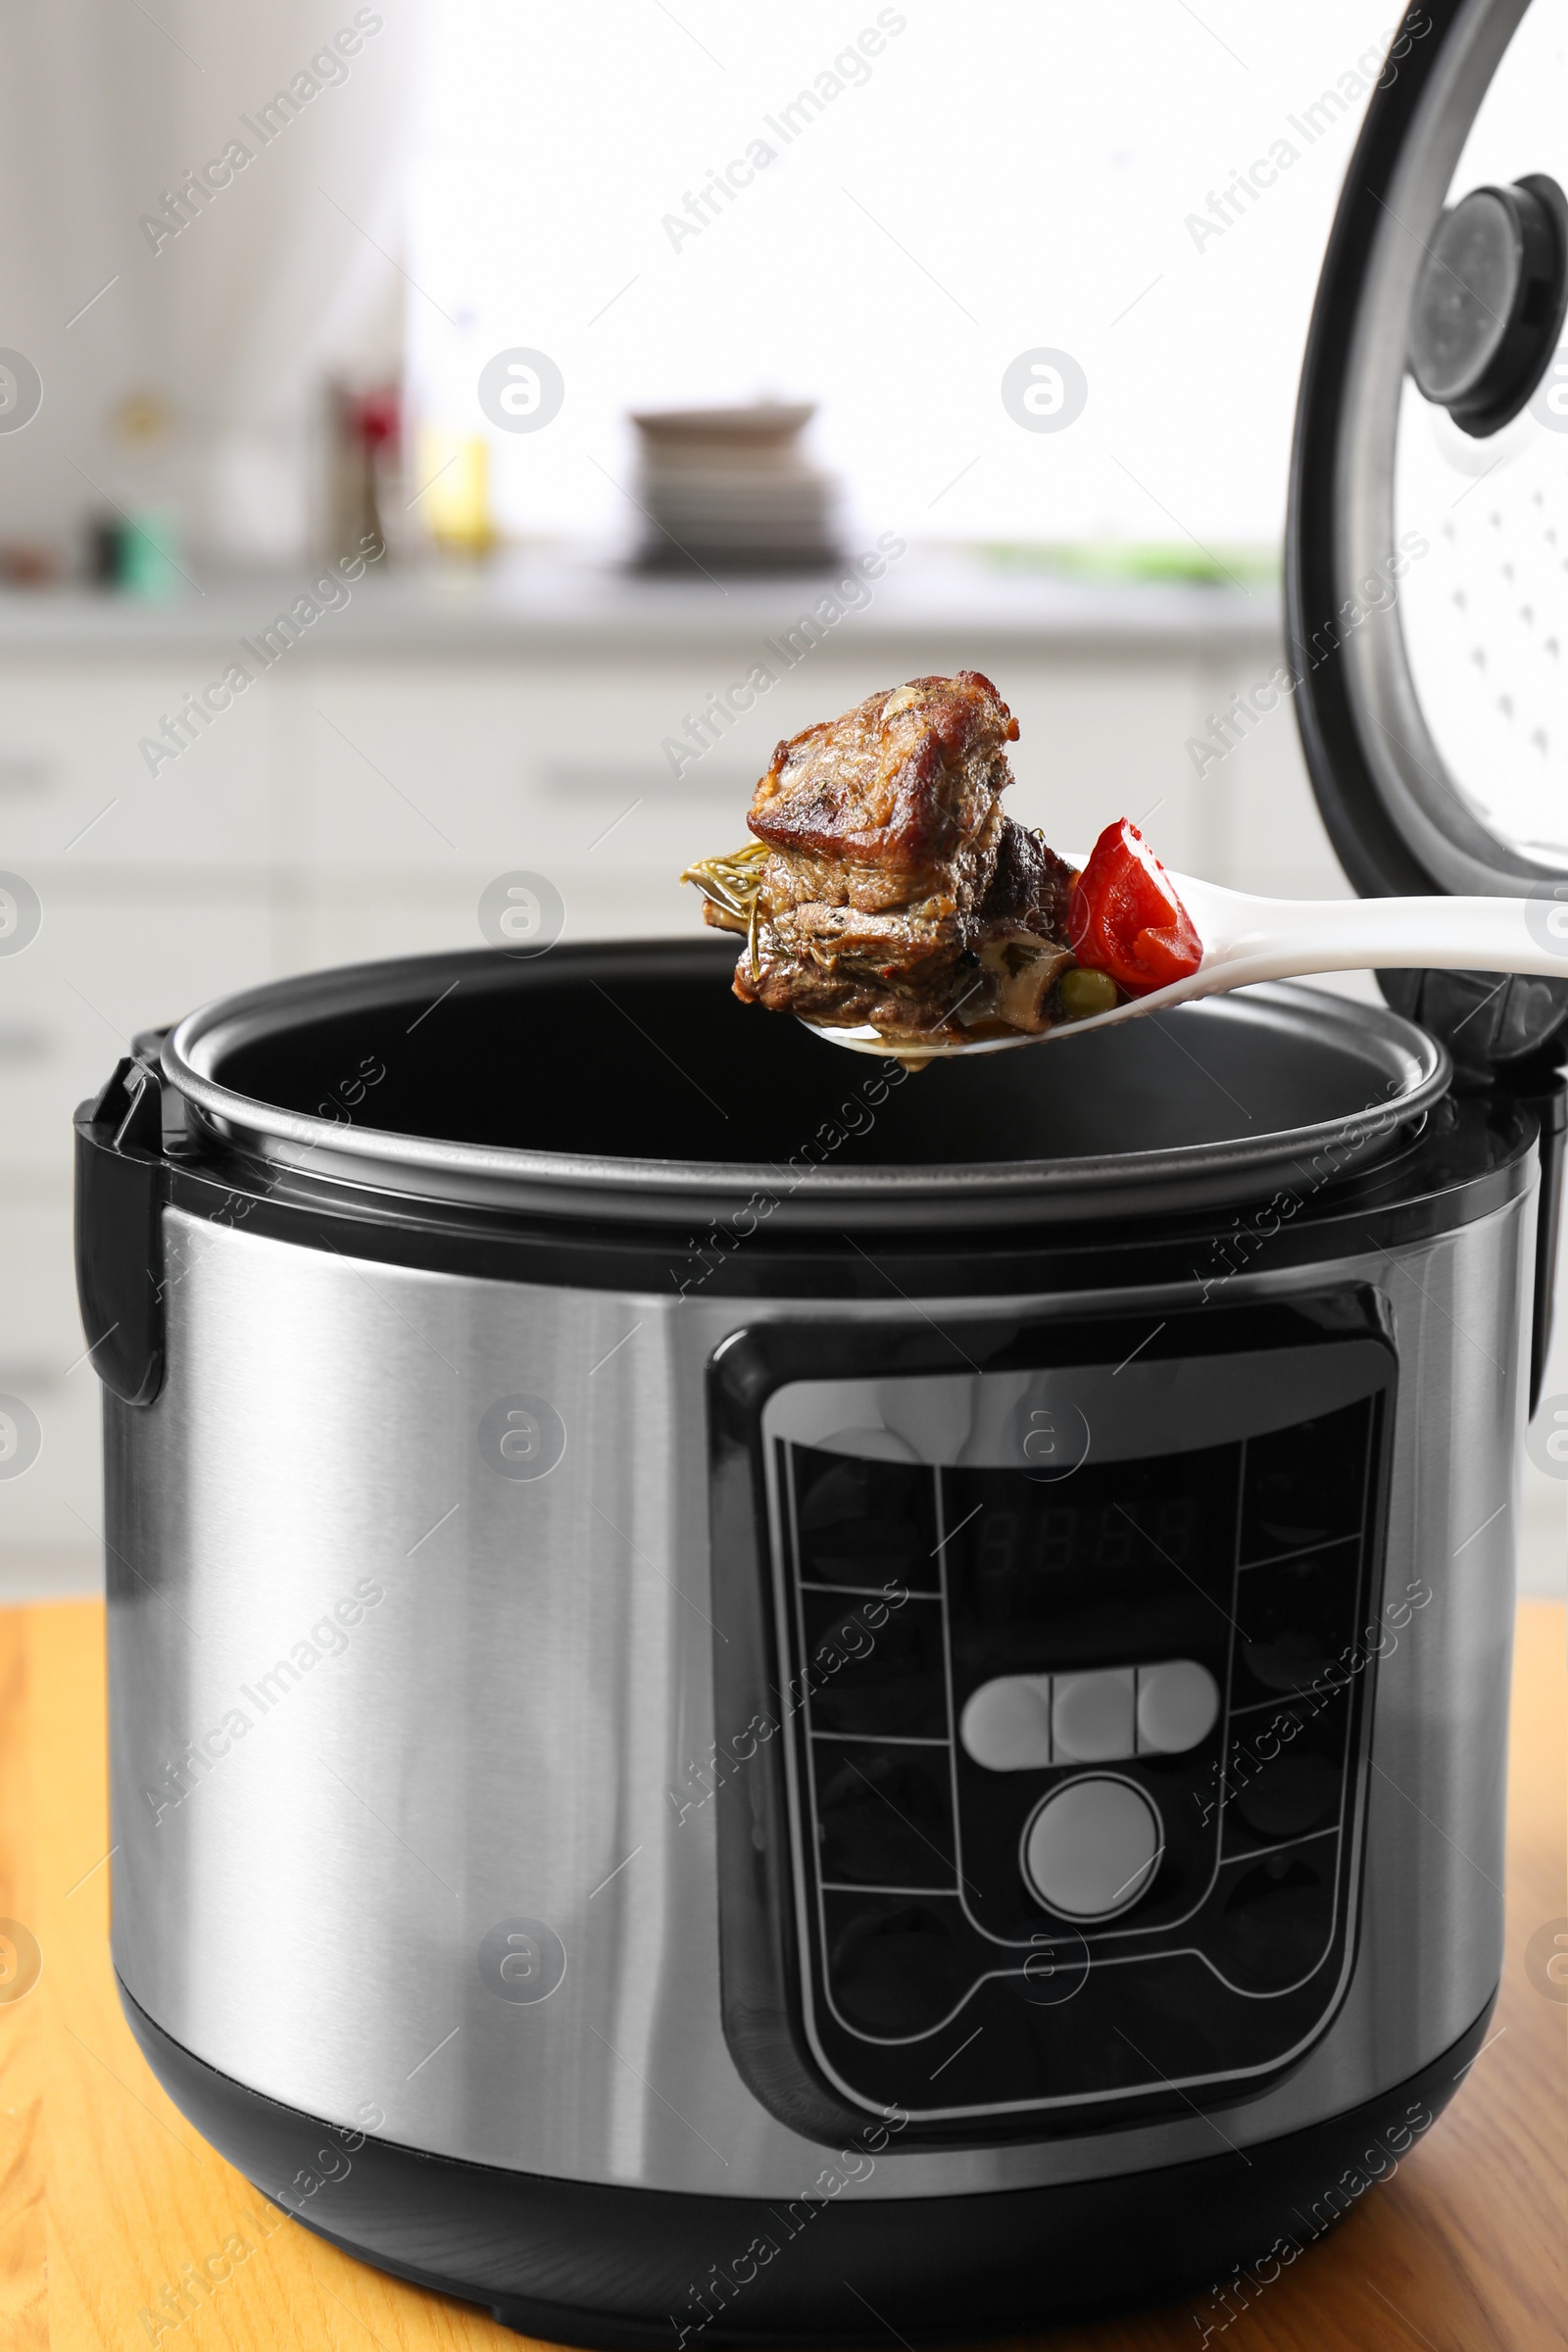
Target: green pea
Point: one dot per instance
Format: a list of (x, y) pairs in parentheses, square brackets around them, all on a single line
[(1083, 993)]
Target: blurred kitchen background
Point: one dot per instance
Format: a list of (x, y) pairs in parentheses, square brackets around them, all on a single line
[(323, 336)]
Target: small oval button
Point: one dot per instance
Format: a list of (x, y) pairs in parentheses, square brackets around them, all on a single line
[(1007, 1723), (1177, 1703), (1091, 1716)]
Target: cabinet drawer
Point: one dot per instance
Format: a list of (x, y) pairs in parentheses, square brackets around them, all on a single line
[(569, 769), (426, 917), (74, 783), (462, 765)]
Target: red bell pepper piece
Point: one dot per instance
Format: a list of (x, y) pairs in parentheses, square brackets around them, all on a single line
[(1126, 919)]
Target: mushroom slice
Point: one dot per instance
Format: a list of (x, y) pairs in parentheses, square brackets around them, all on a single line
[(1025, 968)]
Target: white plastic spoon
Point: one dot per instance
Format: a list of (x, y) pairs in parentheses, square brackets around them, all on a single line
[(1248, 938)]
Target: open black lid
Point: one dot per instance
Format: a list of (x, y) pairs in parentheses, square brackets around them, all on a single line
[(1427, 552)]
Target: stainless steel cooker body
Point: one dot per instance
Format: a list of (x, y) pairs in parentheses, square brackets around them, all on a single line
[(687, 1659), (417, 1767)]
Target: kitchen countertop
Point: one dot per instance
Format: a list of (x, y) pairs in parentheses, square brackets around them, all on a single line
[(557, 600), (107, 2194)]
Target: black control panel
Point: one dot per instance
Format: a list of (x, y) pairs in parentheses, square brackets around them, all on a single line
[(1066, 1665)]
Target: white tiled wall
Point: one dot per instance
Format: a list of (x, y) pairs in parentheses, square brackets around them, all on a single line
[(359, 806)]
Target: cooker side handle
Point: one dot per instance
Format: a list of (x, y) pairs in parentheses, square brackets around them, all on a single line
[(119, 1197), (1548, 1099)]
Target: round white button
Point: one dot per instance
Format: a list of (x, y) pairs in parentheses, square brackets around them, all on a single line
[(1177, 1704), (1091, 1849)]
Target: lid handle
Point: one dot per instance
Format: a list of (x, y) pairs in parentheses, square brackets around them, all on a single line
[(1488, 305)]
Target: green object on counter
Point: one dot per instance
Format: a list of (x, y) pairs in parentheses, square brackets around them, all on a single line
[(145, 565), (1117, 561)]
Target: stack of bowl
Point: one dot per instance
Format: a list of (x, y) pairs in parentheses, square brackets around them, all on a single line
[(729, 490)]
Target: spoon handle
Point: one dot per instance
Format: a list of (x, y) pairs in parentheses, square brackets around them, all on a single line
[(1279, 939)]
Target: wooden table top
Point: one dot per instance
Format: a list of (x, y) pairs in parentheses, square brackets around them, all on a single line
[(108, 2196)]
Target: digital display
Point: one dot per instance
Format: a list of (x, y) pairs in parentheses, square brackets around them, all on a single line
[(1026, 1541), (1034, 1566)]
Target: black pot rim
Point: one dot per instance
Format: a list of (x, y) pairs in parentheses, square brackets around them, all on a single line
[(1407, 1071)]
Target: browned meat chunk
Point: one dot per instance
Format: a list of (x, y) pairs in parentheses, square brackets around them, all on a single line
[(891, 889), (1031, 888)]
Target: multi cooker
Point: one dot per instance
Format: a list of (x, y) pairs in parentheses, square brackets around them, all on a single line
[(755, 1699)]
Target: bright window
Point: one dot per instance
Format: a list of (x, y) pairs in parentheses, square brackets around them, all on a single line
[(1147, 188)]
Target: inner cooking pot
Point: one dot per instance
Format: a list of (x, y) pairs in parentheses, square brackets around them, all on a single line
[(629, 1080)]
